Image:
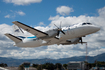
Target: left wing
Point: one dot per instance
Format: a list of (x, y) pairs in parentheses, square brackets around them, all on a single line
[(31, 30)]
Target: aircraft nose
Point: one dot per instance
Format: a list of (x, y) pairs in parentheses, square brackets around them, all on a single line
[(96, 28)]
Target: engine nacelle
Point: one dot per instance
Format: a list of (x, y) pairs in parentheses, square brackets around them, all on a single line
[(52, 33)]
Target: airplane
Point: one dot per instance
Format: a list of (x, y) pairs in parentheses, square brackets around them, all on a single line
[(64, 36)]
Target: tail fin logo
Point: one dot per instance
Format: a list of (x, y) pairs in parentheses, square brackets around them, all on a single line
[(17, 30)]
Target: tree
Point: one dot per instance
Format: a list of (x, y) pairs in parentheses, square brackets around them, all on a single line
[(58, 65), (35, 65), (49, 66), (39, 67), (21, 67), (65, 66), (3, 65)]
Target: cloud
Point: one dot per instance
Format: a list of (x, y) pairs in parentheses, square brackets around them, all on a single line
[(4, 28), (54, 18), (7, 16), (41, 23), (22, 2), (95, 41), (13, 14), (101, 12), (64, 10), (21, 13), (10, 16)]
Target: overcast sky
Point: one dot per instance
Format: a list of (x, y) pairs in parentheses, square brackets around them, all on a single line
[(43, 14)]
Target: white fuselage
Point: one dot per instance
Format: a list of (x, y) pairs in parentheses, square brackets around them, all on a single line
[(71, 32)]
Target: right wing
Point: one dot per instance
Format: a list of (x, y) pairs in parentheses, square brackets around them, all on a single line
[(38, 33), (31, 30)]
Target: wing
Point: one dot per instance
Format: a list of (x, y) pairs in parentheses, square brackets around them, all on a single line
[(31, 30)]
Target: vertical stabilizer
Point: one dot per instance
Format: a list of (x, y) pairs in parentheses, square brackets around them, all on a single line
[(17, 31)]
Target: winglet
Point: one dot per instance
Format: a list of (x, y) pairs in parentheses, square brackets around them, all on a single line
[(14, 38)]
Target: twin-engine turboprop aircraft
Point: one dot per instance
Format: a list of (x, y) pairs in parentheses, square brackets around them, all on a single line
[(65, 36)]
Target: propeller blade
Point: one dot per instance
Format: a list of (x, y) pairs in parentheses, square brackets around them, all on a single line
[(59, 29), (58, 33), (62, 32), (56, 26)]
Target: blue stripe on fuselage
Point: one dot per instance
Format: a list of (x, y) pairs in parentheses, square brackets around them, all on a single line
[(32, 37)]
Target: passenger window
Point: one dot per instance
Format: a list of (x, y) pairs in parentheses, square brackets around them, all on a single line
[(34, 39)]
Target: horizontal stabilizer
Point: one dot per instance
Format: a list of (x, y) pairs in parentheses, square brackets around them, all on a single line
[(14, 38)]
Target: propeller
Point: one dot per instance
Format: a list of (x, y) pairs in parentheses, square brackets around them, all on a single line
[(59, 30)]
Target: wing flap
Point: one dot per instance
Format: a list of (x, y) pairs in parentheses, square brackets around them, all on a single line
[(31, 30), (14, 38)]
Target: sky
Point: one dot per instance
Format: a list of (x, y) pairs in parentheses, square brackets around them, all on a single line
[(42, 15)]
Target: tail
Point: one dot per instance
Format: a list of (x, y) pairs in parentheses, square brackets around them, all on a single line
[(14, 38), (17, 31)]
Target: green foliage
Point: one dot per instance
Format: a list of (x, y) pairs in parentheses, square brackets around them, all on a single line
[(3, 65), (58, 65), (49, 66), (39, 67), (21, 67), (65, 66), (101, 63), (98, 63), (35, 65)]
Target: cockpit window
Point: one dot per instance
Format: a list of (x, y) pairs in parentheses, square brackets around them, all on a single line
[(86, 24), (89, 23)]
